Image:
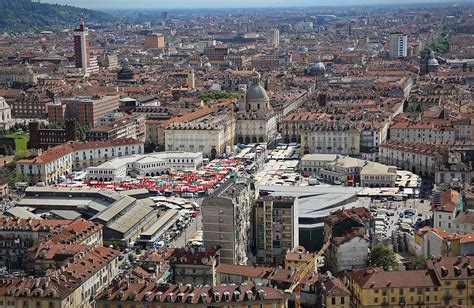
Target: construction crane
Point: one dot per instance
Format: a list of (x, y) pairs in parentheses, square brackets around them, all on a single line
[(303, 270)]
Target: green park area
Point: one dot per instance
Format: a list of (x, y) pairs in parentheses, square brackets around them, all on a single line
[(21, 139)]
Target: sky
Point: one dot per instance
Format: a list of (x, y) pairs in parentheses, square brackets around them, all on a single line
[(108, 4)]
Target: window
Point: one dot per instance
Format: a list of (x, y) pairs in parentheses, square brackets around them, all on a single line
[(333, 300)]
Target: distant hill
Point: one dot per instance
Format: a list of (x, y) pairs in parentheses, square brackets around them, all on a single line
[(24, 15)]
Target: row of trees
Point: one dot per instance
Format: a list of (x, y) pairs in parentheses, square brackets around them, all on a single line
[(206, 97)]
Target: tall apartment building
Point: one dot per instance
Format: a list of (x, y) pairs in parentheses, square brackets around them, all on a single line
[(154, 40), (276, 228), (273, 38), (398, 45), (226, 221), (84, 61)]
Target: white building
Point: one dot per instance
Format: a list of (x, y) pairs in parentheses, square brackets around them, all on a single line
[(422, 132), (273, 38), (50, 166), (446, 205), (464, 129), (398, 45), (351, 252), (212, 135), (420, 158), (96, 152), (313, 163), (144, 165), (331, 138), (5, 114)]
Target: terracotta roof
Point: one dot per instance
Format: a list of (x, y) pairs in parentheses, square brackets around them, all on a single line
[(359, 214), (415, 147), (244, 270), (339, 240), (441, 233), (467, 238), (33, 225), (64, 149), (466, 217), (48, 156), (168, 293), (104, 144), (193, 256), (447, 268), (335, 287), (60, 283), (377, 278), (299, 253), (449, 199)]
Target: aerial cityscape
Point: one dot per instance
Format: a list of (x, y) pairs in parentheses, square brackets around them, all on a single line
[(260, 153)]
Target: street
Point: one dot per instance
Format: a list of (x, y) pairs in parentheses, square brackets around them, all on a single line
[(183, 238), (398, 207)]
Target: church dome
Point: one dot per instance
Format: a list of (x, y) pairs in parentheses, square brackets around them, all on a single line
[(432, 60), (318, 67), (256, 91)]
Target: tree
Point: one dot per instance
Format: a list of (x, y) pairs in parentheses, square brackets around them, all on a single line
[(26, 16), (149, 146), (206, 97), (20, 154), (417, 263), (384, 257), (81, 131)]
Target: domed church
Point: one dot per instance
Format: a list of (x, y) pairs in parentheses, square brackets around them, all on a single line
[(256, 121), (317, 69)]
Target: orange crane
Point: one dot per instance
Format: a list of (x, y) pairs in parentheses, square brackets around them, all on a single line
[(303, 270)]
